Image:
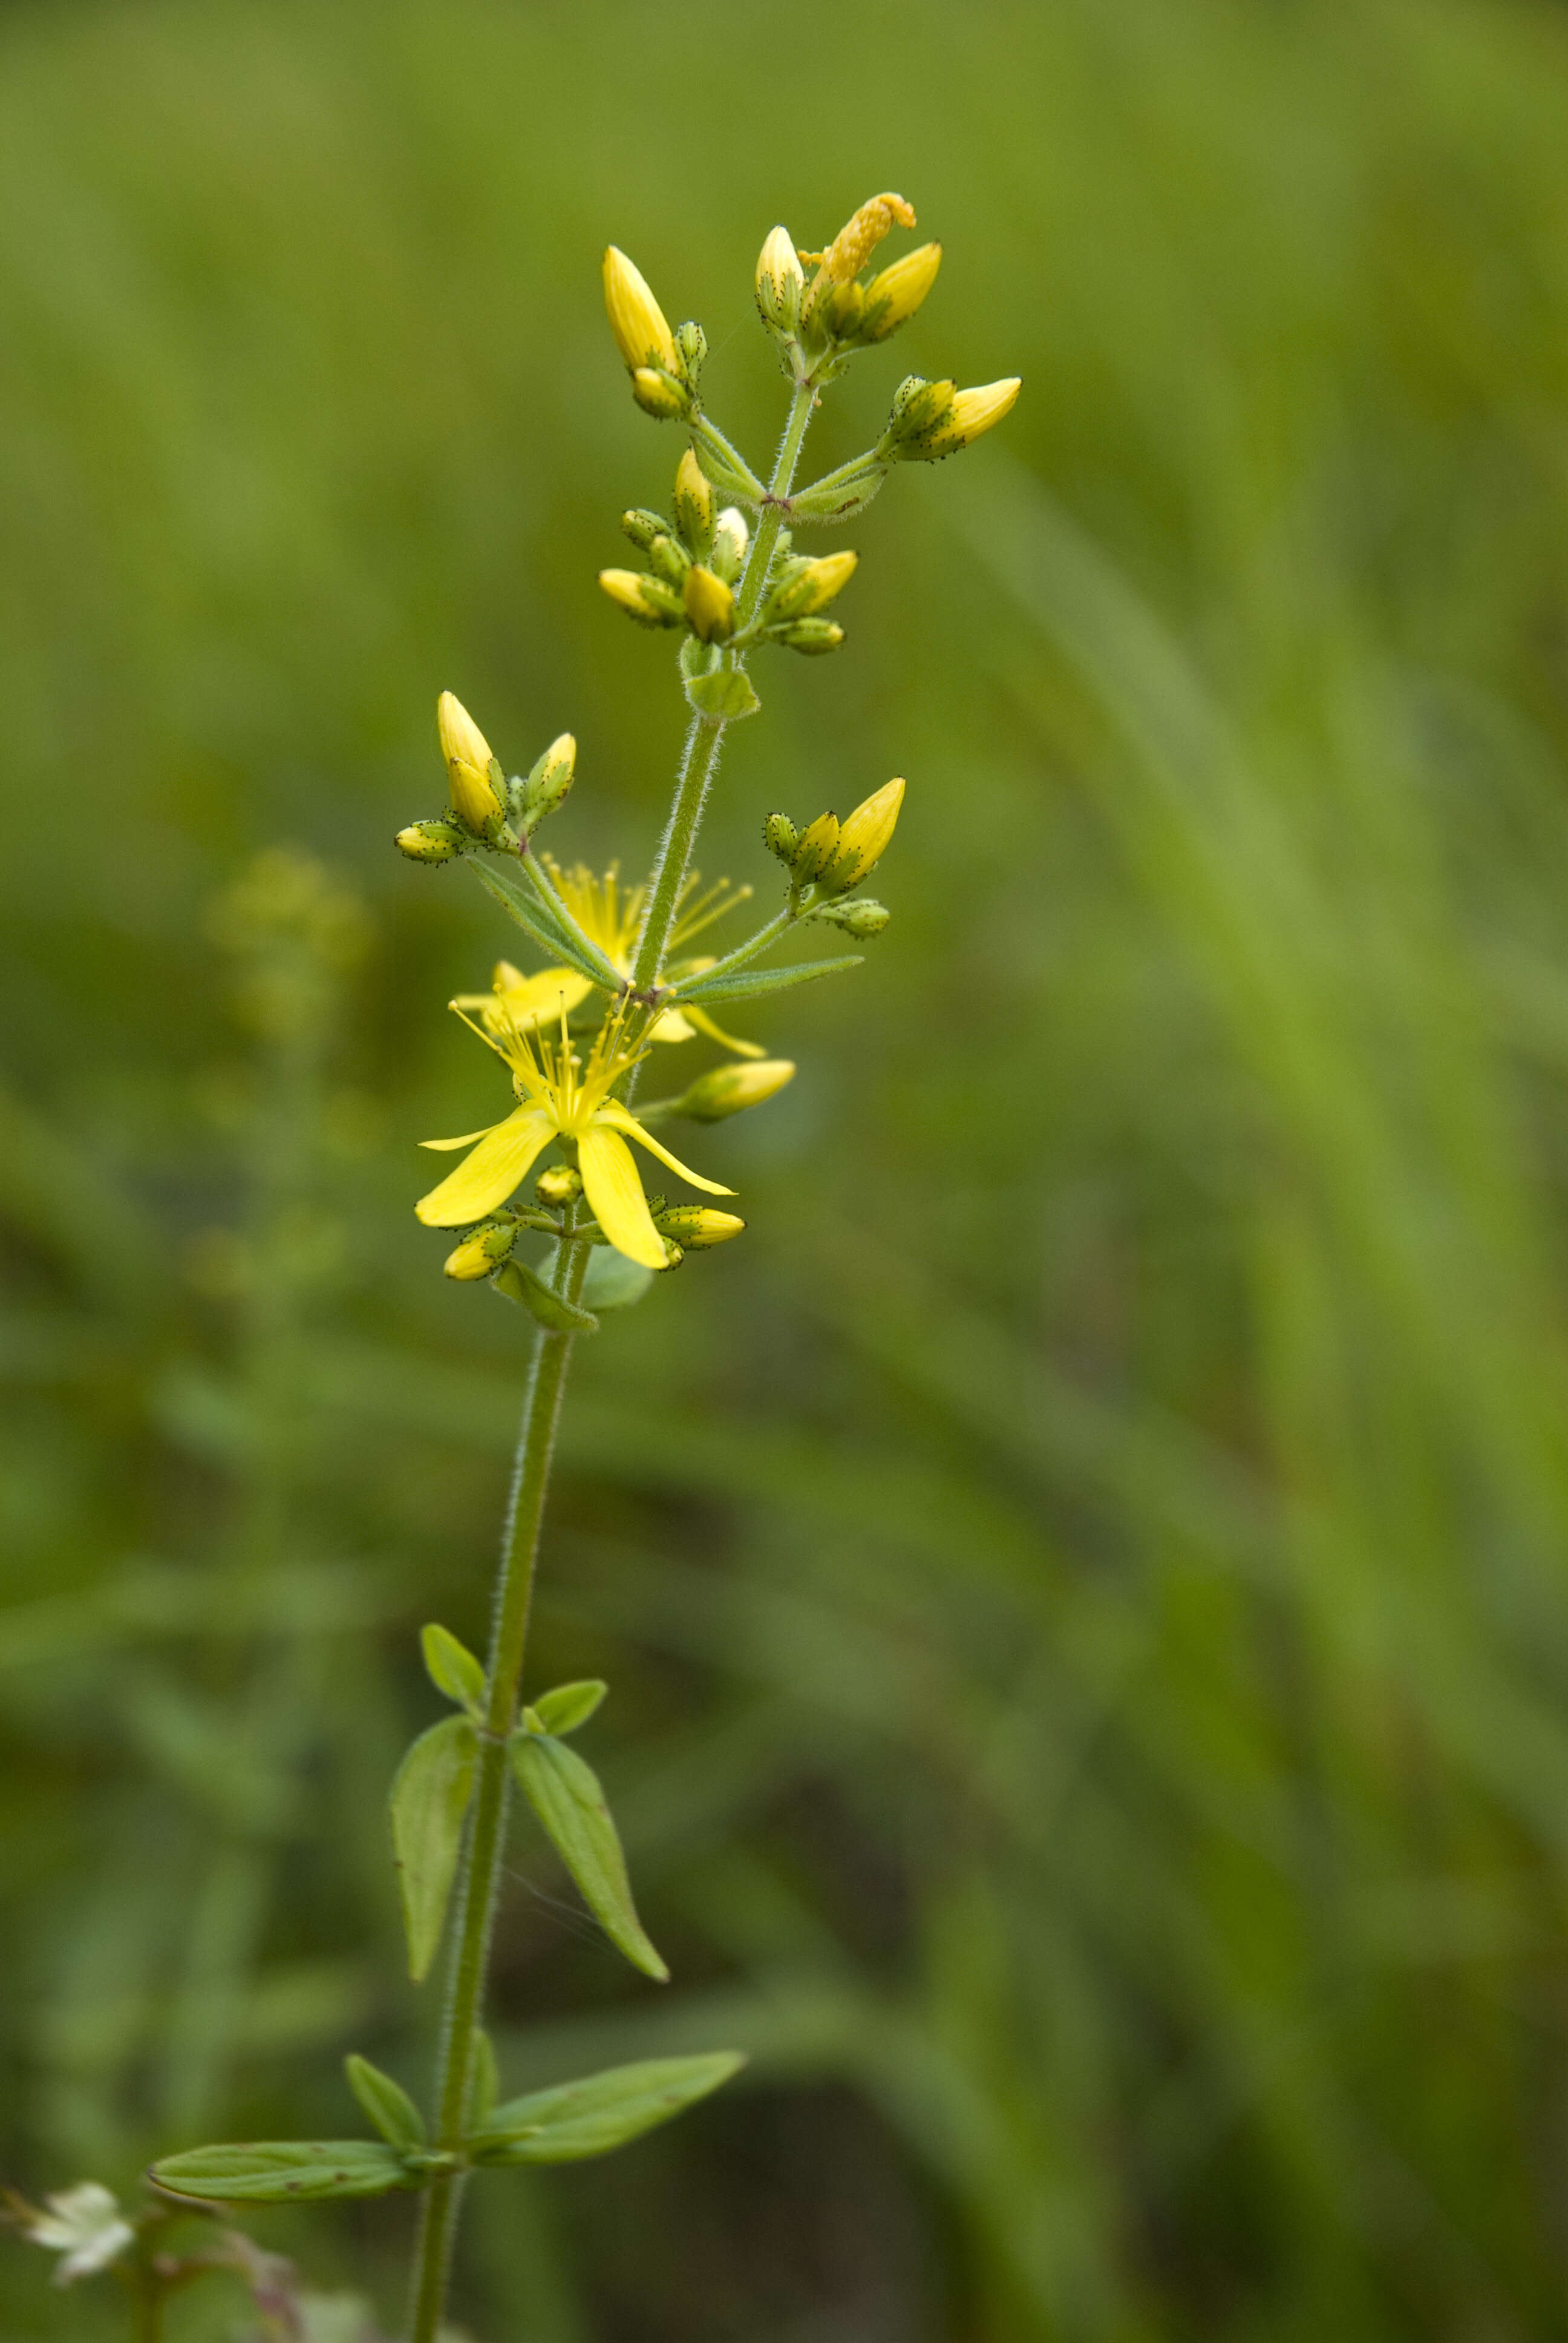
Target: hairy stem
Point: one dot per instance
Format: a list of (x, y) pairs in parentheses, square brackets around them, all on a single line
[(700, 758), (482, 1864)]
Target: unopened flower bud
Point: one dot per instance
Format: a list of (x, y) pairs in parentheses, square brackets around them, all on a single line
[(819, 844), (696, 1227), (865, 834), (478, 1254), (642, 525), (811, 585), (691, 342), (893, 296), (430, 841), (728, 1090), (471, 771), (842, 310), (547, 785), (670, 561), (858, 918), (561, 1184), (646, 599), (781, 837), (779, 282), (658, 394), (918, 407), (642, 331), (968, 413), (812, 636), (730, 539), (693, 507), (710, 605)]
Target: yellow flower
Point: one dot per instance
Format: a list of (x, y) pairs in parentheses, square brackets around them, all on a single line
[(468, 761), (970, 413), (559, 1097), (641, 330)]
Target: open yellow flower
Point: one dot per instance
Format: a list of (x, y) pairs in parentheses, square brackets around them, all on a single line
[(559, 1097), (610, 915)]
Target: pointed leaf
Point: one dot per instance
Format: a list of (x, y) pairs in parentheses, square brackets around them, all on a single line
[(519, 1283), (751, 983), (569, 1706), (726, 694), (387, 2103), (429, 1800), (565, 1794), (452, 1667), (602, 2112), (273, 2171), (533, 913)]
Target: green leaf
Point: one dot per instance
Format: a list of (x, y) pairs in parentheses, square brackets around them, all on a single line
[(726, 694), (602, 2112), (452, 1667), (387, 2103), (533, 914), (569, 1706), (520, 1283), (564, 1793), (614, 1282), (429, 1799), (751, 983), (272, 2171)]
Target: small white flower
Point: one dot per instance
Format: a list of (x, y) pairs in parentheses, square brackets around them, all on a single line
[(85, 2225)]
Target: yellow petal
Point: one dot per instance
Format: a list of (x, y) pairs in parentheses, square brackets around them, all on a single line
[(618, 1117), (502, 1158), (542, 996), (705, 1024), (615, 1196), (672, 1026), (444, 1146)]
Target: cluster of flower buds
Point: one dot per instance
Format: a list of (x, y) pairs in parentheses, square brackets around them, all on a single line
[(487, 809), (486, 1251), (666, 368), (828, 858), (835, 311), (932, 420)]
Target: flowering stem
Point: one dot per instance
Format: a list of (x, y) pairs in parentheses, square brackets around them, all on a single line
[(700, 758), (482, 1864)]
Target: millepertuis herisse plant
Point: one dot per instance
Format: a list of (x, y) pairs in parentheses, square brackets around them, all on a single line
[(620, 986)]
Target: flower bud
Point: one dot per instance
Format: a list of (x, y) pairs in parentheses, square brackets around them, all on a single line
[(642, 331), (547, 785), (658, 394), (693, 507), (691, 343), (642, 525), (812, 636), (779, 282), (471, 769), (860, 918), (819, 844), (646, 599), (893, 296), (967, 414), (811, 585), (918, 407), (669, 560), (864, 835), (781, 838), (561, 1184), (842, 310), (477, 1254), (730, 539), (696, 1227), (710, 605), (430, 841), (730, 1090)]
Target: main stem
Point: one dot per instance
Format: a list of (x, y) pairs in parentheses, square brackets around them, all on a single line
[(480, 1883)]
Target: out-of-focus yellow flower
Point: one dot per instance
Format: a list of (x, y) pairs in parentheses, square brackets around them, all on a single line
[(725, 1090), (560, 1097), (641, 330)]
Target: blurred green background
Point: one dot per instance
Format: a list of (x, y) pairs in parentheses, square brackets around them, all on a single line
[(1083, 1581)]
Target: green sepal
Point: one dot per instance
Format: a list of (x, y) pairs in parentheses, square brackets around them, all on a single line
[(484, 2083), (565, 1794), (387, 2103), (751, 983), (724, 696), (602, 2112), (277, 2171), (569, 1706), (614, 1281), (533, 914), (452, 1668), (520, 1283), (429, 1801), (839, 496)]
